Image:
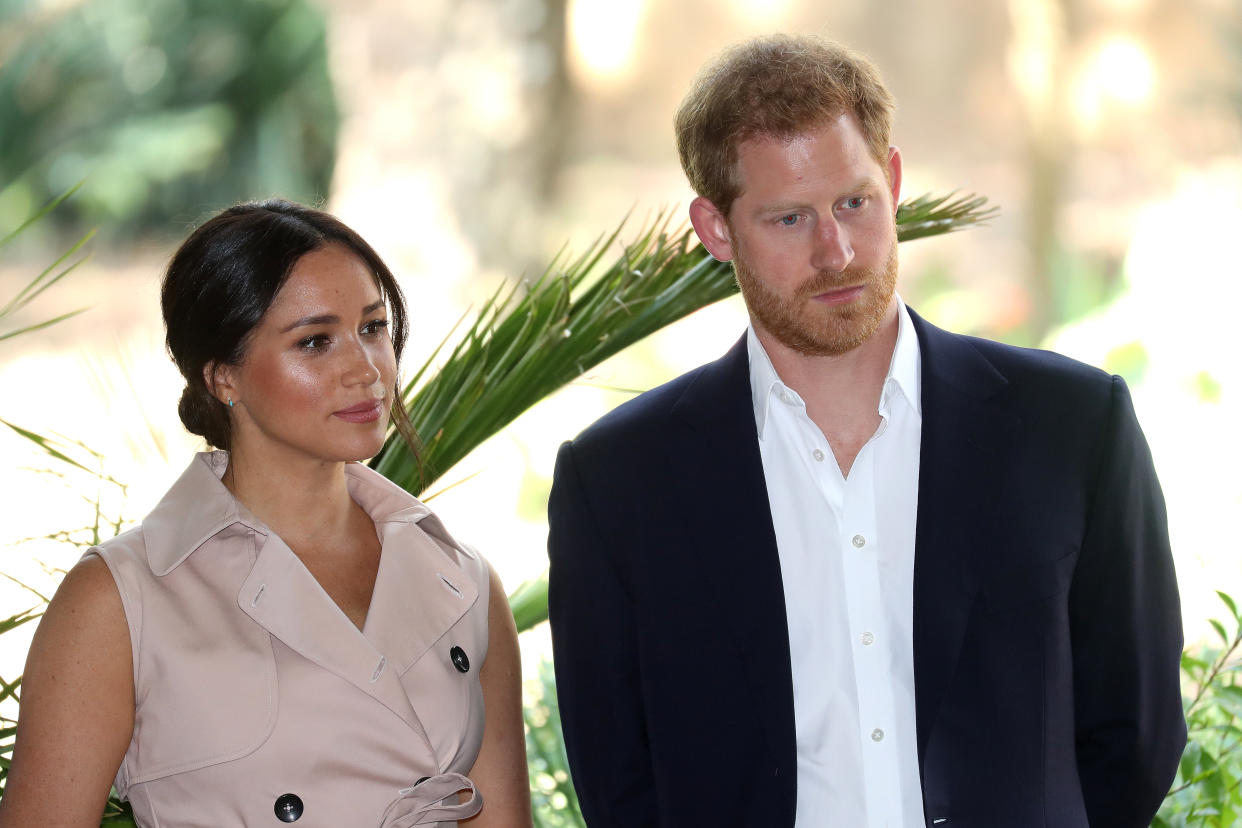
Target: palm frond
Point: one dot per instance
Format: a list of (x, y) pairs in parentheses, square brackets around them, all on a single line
[(530, 339), (529, 603), (50, 275), (929, 215)]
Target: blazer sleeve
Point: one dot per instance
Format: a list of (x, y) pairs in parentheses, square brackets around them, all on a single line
[(1126, 629), (592, 616)]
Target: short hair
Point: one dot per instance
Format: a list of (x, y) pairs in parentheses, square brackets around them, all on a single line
[(779, 86), (223, 279)]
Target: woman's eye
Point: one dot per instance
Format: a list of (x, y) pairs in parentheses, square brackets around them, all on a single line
[(375, 327), (316, 342)]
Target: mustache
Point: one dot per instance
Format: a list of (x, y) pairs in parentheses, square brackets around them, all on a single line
[(826, 280)]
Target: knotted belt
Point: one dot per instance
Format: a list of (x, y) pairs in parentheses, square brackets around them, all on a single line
[(423, 802)]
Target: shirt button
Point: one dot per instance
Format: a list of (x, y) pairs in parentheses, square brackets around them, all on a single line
[(288, 807), (458, 656), (859, 541), (867, 639), (818, 455), (877, 735), (785, 398)]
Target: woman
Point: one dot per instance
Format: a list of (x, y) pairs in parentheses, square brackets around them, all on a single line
[(288, 636)]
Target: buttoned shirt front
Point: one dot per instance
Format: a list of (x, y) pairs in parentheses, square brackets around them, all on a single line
[(846, 548)]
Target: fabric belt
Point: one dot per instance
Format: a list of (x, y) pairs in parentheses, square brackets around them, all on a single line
[(423, 802)]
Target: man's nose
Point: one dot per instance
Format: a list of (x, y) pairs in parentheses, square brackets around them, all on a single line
[(832, 249)]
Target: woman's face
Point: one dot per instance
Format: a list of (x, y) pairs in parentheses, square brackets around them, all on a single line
[(317, 379)]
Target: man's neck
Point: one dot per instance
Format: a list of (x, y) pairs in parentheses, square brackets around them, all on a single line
[(841, 392)]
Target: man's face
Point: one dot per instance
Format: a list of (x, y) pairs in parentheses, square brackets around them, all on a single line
[(812, 237)]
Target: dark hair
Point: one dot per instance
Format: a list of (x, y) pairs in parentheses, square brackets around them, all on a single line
[(223, 279), (780, 86)]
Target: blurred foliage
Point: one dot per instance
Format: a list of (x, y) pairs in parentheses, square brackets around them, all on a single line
[(168, 108), (1082, 284), (1129, 360), (553, 800), (1207, 792), (49, 276)]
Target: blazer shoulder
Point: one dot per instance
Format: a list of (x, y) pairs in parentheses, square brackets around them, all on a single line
[(1023, 371), (697, 395), (1037, 361), (649, 413)]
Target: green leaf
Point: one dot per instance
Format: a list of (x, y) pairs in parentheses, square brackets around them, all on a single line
[(1220, 630), (529, 603), (1229, 602)]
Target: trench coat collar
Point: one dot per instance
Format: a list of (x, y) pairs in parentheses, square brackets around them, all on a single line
[(420, 558), (198, 507)]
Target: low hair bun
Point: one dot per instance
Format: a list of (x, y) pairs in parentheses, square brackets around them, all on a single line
[(202, 414)]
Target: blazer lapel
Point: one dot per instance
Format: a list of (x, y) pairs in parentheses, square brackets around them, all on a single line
[(961, 477), (730, 527)]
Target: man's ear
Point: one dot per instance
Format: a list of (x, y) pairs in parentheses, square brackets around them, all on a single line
[(221, 382), (712, 228), (894, 176)]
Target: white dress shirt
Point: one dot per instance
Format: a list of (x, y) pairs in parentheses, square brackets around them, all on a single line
[(846, 548)]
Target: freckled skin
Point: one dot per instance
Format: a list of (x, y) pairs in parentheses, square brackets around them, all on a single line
[(322, 347)]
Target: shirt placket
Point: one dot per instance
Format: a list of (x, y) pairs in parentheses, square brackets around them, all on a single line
[(871, 645)]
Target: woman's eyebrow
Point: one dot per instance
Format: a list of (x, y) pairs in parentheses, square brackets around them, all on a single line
[(328, 318)]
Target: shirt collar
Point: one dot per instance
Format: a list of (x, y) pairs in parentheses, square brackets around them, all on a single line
[(903, 372), (198, 507), (906, 366)]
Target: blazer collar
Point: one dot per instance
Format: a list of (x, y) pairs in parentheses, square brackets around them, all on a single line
[(714, 388)]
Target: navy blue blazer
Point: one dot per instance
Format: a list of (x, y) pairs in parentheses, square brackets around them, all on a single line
[(1047, 627)]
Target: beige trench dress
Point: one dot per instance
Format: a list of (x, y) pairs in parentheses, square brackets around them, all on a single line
[(259, 703)]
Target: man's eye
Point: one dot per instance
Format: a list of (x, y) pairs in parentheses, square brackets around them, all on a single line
[(854, 203), (789, 220)]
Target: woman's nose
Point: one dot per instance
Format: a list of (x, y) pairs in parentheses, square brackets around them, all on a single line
[(362, 369)]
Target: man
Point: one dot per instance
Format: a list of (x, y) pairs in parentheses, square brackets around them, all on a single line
[(859, 571)]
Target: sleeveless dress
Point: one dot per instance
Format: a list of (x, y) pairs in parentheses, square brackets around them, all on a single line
[(258, 702)]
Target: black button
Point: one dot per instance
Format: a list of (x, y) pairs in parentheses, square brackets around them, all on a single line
[(458, 655), (288, 807)]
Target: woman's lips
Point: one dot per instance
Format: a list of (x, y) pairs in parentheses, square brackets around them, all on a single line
[(364, 412)]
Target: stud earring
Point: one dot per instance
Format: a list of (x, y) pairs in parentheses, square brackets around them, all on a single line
[(230, 402)]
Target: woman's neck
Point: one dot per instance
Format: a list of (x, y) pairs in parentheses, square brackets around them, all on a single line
[(302, 500)]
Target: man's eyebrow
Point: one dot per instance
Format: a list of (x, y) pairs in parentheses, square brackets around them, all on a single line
[(862, 185), (329, 318)]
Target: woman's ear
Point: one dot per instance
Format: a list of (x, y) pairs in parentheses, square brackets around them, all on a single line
[(221, 382)]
